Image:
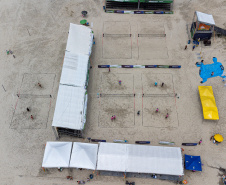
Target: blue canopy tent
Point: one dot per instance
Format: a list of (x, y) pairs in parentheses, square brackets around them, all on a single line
[(193, 162), (210, 70)]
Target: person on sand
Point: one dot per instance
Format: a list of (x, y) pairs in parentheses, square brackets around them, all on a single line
[(32, 117), (193, 48), (70, 177), (162, 84), (211, 138), (28, 110), (156, 84), (109, 69), (200, 141), (112, 118), (81, 182), (167, 115), (185, 47), (39, 85), (138, 112), (157, 110), (223, 177)]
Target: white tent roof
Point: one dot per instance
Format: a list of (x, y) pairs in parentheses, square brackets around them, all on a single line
[(57, 154), (84, 155), (70, 107), (80, 39), (112, 157), (140, 159), (154, 159), (75, 69), (205, 18)]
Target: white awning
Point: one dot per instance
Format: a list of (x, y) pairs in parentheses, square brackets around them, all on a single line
[(112, 157), (70, 110), (205, 18), (80, 40), (57, 154), (84, 155), (75, 69), (140, 159), (154, 159), (71, 105)]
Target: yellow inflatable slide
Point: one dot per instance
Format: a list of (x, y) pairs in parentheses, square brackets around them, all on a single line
[(209, 107)]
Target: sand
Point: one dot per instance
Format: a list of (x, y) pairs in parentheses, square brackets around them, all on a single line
[(36, 31)]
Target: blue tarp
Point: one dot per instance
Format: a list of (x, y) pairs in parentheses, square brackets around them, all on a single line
[(210, 70), (193, 162)]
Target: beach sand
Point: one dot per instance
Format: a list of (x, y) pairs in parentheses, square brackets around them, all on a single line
[(36, 31)]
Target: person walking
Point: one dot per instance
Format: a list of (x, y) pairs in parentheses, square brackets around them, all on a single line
[(185, 47), (211, 138), (32, 117), (167, 115), (200, 141), (112, 118), (157, 110), (193, 48), (39, 85), (109, 69)]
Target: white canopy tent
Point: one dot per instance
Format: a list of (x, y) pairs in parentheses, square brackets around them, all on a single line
[(75, 70), (84, 155), (71, 105), (57, 154), (205, 18), (140, 159), (154, 159), (112, 157), (80, 40)]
